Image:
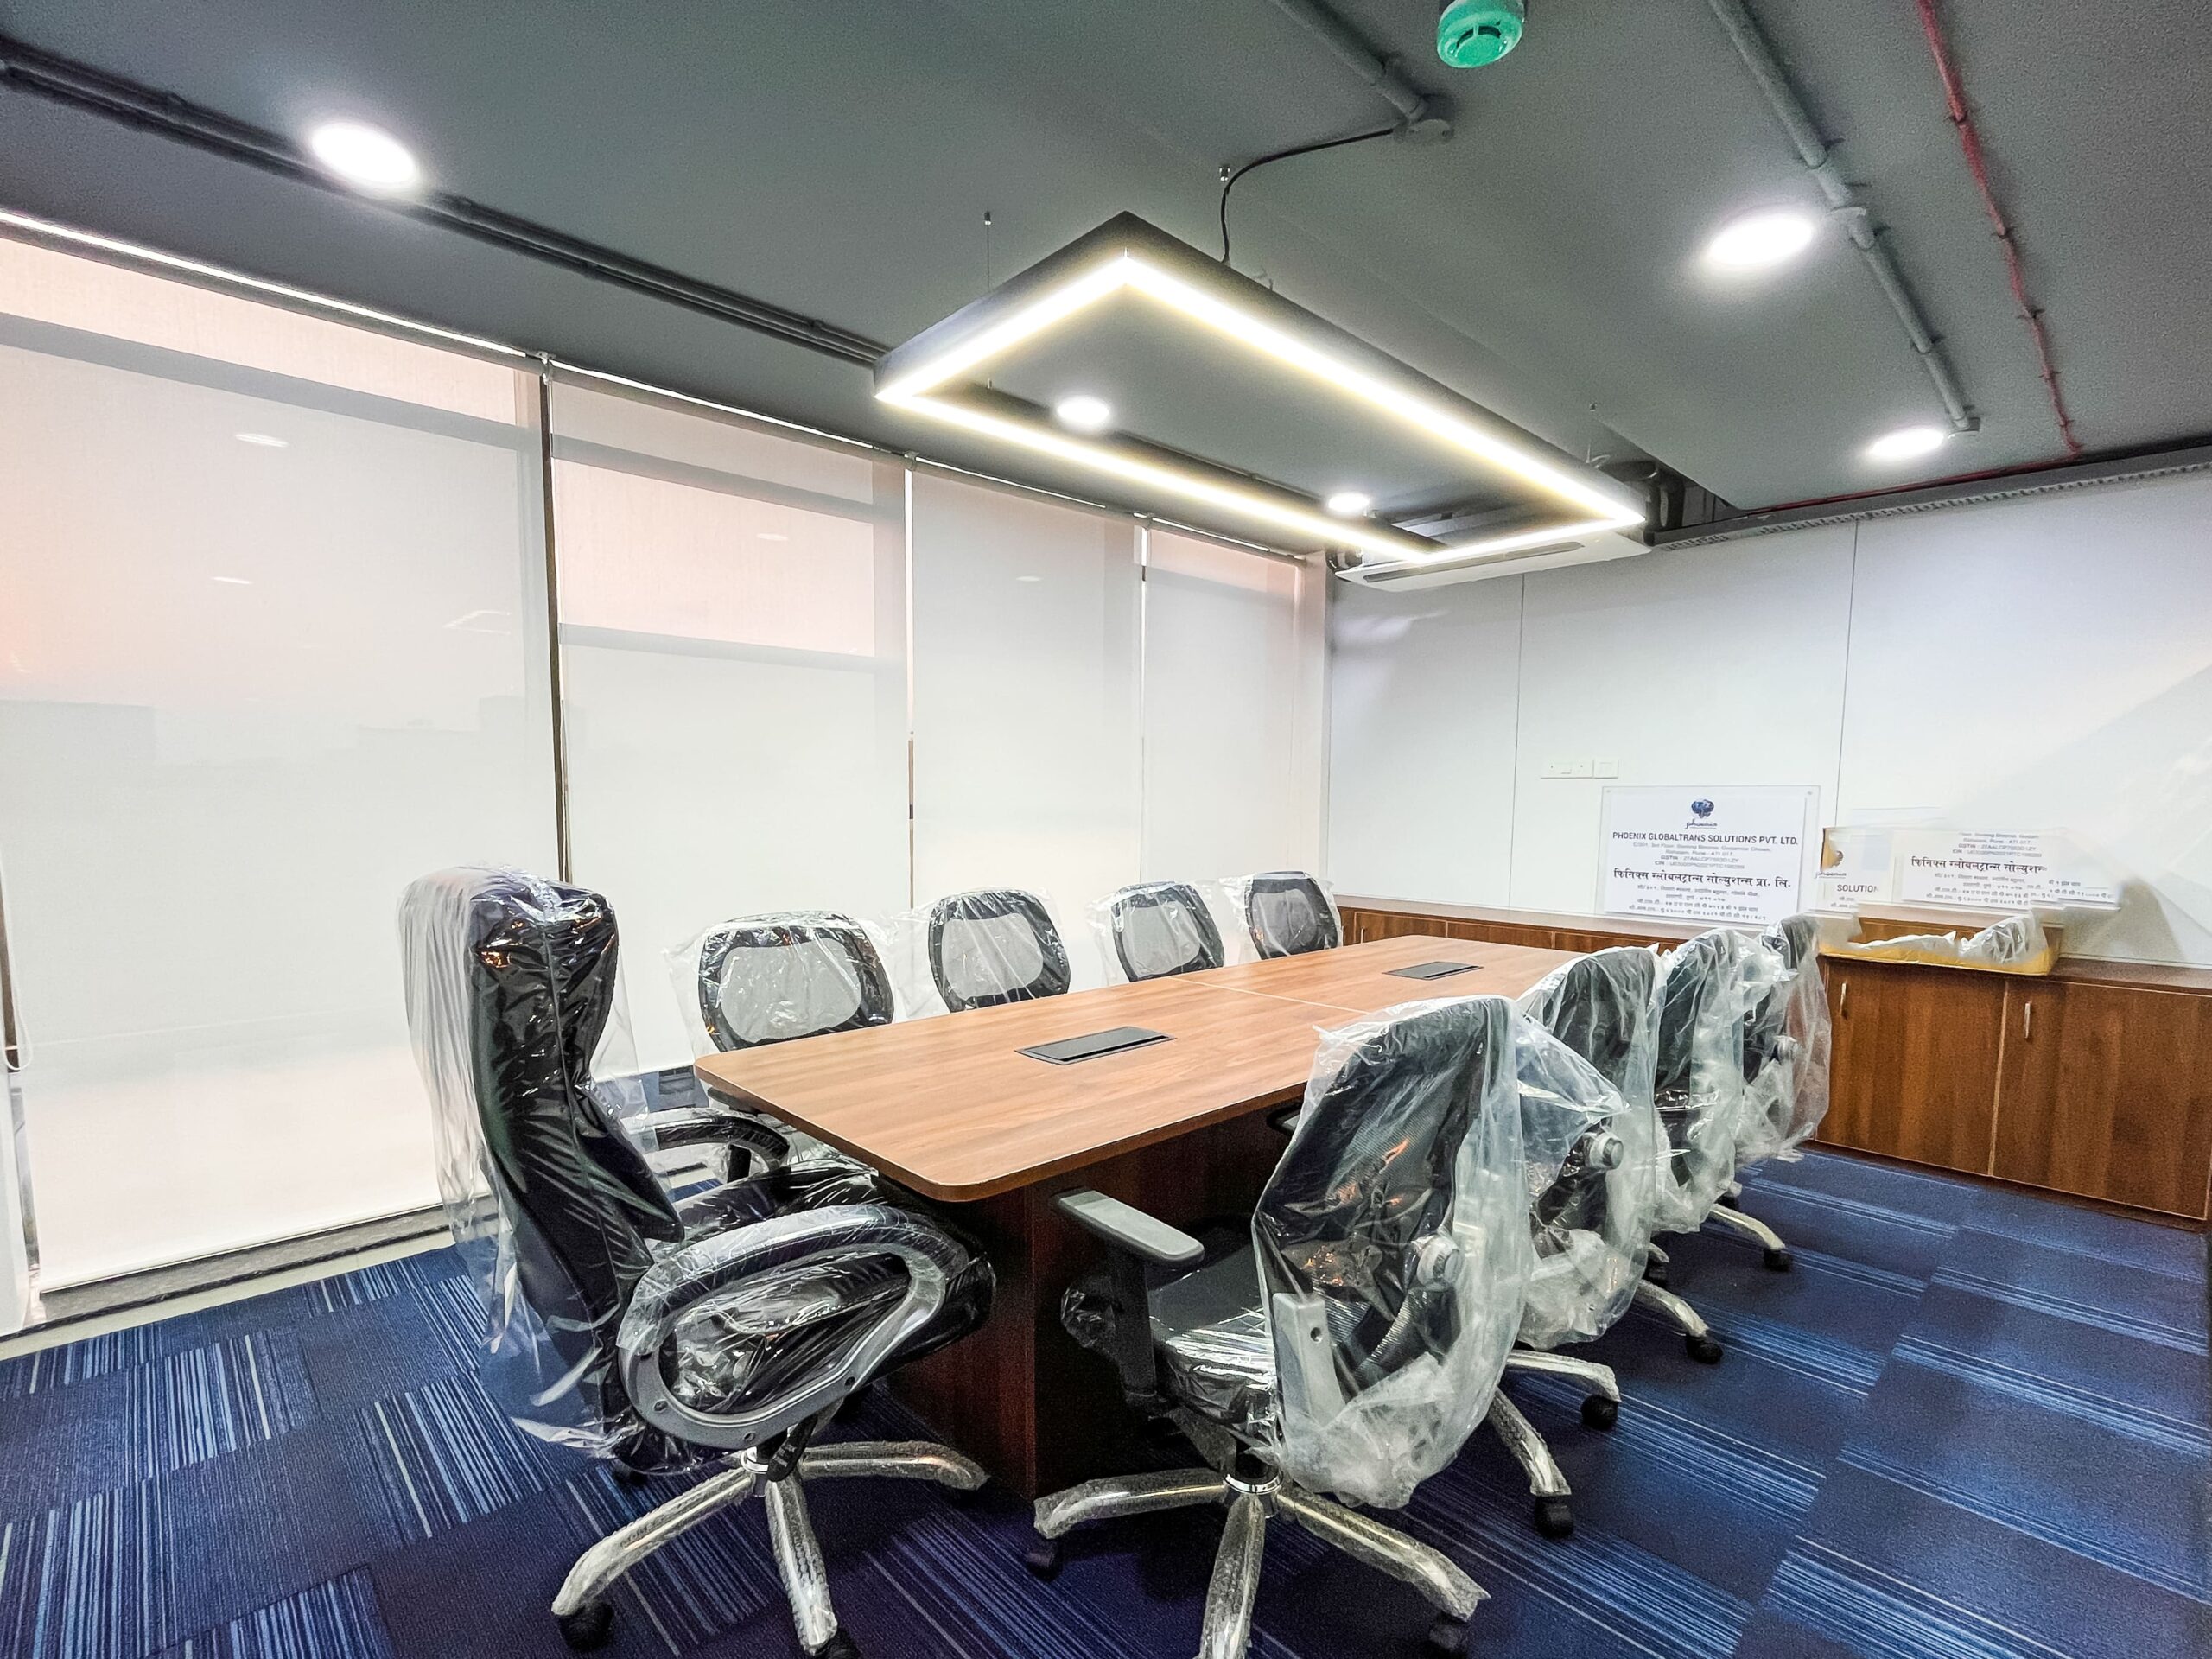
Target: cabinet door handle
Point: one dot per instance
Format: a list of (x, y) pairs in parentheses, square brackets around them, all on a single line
[(1842, 998), (2028, 1019)]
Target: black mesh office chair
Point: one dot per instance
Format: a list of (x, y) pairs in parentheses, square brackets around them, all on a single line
[(799, 973), (1160, 928), (1785, 1072), (1350, 1341), (993, 945), (1288, 913), (718, 1334), (1591, 1222)]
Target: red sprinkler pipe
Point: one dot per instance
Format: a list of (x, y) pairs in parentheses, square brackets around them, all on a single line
[(1954, 98)]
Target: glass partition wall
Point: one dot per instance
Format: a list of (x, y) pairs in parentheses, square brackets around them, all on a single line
[(274, 640)]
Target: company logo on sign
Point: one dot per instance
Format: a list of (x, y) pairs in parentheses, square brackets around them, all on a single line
[(1701, 808)]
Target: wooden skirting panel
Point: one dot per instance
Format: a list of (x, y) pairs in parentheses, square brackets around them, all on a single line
[(2095, 1082)]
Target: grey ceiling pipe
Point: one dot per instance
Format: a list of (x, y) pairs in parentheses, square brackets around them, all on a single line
[(1750, 44), (1421, 119)]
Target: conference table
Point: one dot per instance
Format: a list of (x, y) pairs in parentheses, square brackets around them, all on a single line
[(952, 1106)]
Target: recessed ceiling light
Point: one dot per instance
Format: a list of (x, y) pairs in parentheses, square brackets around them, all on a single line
[(266, 440), (1348, 503), (773, 536), (1759, 240), (1907, 443), (367, 158), (234, 581), (1084, 413), (1029, 578)]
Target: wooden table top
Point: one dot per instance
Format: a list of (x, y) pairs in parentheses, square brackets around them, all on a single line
[(950, 1107), (1359, 978)]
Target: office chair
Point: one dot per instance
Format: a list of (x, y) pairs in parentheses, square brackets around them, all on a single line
[(993, 945), (1786, 1040), (1705, 990), (1347, 1342), (1287, 913), (1592, 1217), (1159, 928), (658, 1336)]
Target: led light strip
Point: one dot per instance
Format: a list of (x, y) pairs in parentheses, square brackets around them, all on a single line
[(1129, 271)]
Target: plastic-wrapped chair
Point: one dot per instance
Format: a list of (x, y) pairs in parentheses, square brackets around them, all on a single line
[(1354, 1340), (719, 1334), (1156, 929), (1786, 1041), (1288, 913), (1584, 1061), (995, 945)]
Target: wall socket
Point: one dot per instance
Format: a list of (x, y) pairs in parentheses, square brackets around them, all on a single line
[(1579, 767)]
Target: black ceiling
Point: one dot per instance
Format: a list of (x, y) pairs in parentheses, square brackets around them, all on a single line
[(836, 158)]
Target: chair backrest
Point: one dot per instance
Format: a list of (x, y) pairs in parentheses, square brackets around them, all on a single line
[(1160, 928), (509, 981), (993, 945), (1795, 940), (1601, 1007), (771, 979), (1288, 913), (1393, 1246), (1706, 989)]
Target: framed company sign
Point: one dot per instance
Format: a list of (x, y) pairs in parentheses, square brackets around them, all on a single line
[(1712, 855)]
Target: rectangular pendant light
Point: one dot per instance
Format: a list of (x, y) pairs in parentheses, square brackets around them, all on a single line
[(939, 374)]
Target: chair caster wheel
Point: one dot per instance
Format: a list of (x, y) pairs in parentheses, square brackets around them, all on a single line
[(1779, 1261), (1555, 1517), (588, 1628), (1043, 1557), (1447, 1635), (1703, 1349), (1600, 1410), (840, 1646)]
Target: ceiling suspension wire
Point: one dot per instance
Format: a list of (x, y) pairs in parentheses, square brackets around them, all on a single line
[(1962, 123)]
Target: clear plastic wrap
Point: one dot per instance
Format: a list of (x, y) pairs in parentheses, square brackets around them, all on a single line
[(1591, 1220), (1707, 990), (1155, 929), (774, 977), (1393, 1247), (977, 949), (1284, 912), (1786, 1049), (2015, 945), (512, 986)]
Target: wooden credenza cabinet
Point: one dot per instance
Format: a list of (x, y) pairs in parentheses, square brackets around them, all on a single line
[(2095, 1081)]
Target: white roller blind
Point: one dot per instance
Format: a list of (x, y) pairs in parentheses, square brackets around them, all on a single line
[(734, 679), (1233, 665), (1025, 716)]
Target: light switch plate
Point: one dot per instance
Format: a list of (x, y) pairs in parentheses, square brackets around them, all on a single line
[(1584, 769), (1558, 768), (1608, 769)]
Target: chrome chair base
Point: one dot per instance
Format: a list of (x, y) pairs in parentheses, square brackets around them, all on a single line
[(1697, 1338), (1252, 1501), (586, 1618), (1548, 1486), (1776, 1254)]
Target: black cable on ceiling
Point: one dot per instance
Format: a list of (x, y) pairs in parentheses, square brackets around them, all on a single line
[(1230, 175), (81, 87)]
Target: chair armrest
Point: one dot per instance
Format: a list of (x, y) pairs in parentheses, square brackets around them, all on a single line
[(1284, 1119), (718, 1124), (1125, 1227), (769, 1262)]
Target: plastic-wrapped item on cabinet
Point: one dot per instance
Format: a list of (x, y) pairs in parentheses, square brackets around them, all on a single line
[(774, 977), (1393, 1247), (978, 950), (1156, 929), (1706, 989), (1283, 912), (513, 1005)]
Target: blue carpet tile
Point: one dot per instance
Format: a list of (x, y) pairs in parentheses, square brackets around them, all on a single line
[(1970, 1425)]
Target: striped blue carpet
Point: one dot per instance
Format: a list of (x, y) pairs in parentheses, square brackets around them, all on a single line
[(1971, 1425)]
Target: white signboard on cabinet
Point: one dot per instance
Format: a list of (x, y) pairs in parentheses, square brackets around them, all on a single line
[(1710, 854)]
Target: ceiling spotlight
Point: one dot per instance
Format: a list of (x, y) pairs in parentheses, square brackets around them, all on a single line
[(1348, 503), (367, 158), (1757, 241), (234, 581), (265, 440), (1084, 413), (1907, 443)]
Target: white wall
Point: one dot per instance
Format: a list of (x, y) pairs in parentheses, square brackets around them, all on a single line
[(2040, 664)]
